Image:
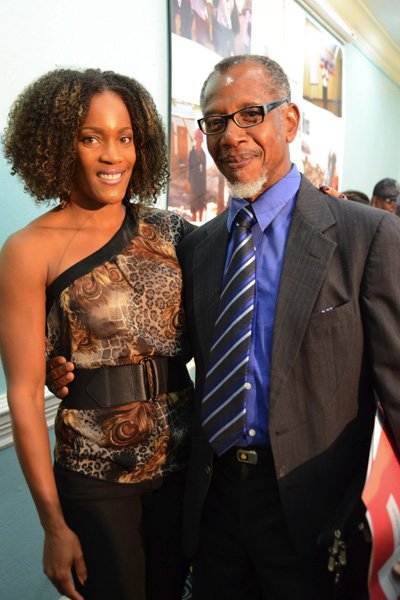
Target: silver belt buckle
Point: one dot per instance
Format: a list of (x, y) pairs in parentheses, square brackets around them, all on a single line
[(247, 456)]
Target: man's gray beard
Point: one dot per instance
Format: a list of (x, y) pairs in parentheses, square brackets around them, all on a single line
[(247, 190)]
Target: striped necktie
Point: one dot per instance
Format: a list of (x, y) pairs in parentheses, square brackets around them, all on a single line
[(223, 409)]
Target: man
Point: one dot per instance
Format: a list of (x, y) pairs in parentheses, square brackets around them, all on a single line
[(265, 516), (386, 194), (267, 513)]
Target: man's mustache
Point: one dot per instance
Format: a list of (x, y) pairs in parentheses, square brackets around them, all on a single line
[(232, 157)]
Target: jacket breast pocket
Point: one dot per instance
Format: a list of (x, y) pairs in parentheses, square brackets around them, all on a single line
[(333, 313), (332, 349)]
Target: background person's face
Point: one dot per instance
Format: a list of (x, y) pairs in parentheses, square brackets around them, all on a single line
[(383, 204), (248, 155)]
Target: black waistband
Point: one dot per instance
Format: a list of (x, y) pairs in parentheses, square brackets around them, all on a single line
[(115, 386)]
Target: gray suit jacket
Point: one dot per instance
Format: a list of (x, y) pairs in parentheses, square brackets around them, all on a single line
[(336, 340)]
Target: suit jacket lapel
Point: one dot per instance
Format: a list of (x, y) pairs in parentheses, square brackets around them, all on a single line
[(208, 268), (307, 256)]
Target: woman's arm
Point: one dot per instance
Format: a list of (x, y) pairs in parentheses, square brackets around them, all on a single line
[(23, 274)]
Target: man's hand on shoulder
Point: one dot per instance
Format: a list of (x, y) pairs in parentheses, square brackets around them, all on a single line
[(59, 375)]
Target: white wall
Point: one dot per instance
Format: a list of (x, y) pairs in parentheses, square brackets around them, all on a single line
[(129, 36), (372, 132)]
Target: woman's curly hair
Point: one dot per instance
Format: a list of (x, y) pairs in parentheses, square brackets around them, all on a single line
[(44, 123)]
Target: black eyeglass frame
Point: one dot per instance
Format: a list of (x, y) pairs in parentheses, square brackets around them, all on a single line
[(266, 108), (388, 199)]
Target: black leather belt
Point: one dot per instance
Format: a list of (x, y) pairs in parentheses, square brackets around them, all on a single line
[(114, 386)]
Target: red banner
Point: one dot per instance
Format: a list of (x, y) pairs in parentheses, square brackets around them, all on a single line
[(381, 496)]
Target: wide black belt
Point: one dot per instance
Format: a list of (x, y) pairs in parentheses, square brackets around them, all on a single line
[(113, 386)]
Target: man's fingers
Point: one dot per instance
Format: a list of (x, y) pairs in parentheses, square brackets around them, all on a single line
[(59, 369), (59, 387), (55, 362), (64, 391), (60, 376)]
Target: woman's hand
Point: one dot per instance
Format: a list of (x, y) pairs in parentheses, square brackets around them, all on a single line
[(62, 552), (331, 191)]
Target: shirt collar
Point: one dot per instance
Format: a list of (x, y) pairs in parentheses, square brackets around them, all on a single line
[(270, 203)]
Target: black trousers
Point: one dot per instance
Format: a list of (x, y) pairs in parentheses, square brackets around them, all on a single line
[(246, 552), (131, 542), (245, 549)]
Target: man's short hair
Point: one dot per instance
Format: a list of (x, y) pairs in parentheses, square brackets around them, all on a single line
[(387, 189), (278, 80), (356, 196)]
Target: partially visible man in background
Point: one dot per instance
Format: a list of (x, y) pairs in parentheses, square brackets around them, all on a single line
[(386, 194)]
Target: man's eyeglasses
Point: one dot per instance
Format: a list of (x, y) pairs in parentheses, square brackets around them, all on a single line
[(389, 199), (245, 117)]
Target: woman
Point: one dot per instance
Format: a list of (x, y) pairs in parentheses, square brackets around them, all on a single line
[(99, 274)]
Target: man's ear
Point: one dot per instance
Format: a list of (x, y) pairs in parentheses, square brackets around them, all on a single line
[(292, 118)]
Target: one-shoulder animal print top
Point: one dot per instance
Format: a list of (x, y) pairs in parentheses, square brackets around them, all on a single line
[(117, 305)]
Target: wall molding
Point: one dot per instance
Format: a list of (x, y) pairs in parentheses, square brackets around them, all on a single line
[(6, 439), (352, 22)]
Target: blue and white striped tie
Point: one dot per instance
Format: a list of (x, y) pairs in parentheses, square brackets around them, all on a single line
[(224, 399)]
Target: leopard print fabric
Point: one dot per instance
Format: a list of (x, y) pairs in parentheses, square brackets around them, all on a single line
[(115, 313), (127, 307)]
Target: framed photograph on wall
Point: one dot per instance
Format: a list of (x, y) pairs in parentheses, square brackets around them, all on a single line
[(322, 129), (204, 31)]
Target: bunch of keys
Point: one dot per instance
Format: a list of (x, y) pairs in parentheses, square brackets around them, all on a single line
[(337, 555)]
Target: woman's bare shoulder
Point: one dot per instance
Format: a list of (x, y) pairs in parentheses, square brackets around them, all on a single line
[(32, 245), (51, 221), (37, 231)]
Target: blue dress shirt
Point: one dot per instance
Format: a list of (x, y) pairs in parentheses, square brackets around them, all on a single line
[(273, 210)]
